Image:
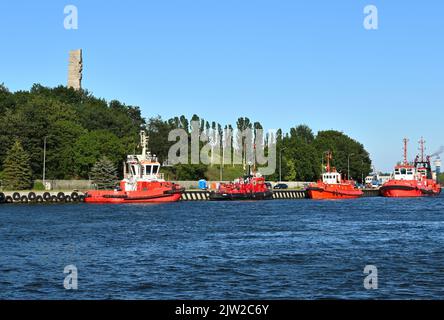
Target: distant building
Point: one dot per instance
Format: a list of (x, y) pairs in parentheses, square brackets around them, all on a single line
[(437, 172), (437, 164), (75, 68), (376, 180), (369, 180), (384, 178)]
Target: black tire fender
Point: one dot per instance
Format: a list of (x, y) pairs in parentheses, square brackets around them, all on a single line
[(47, 196), (75, 196)]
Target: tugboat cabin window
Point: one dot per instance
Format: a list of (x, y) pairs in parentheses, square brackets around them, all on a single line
[(331, 178), (151, 169), (404, 173)]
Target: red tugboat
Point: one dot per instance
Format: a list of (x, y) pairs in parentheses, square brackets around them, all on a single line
[(250, 187), (332, 186), (412, 179), (142, 182)]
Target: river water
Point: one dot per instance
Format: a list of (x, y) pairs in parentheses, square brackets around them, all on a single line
[(279, 249)]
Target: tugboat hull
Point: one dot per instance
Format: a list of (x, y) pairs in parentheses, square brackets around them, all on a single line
[(333, 193), (219, 196), (133, 197), (403, 191)]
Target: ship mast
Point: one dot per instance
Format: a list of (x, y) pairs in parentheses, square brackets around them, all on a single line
[(329, 157), (143, 142), (422, 148), (406, 141)]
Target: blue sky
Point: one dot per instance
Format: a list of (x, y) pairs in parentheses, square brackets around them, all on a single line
[(278, 62)]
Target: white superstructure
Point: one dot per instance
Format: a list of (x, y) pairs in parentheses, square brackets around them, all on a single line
[(141, 167)]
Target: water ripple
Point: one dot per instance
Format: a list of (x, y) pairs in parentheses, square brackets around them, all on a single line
[(209, 250)]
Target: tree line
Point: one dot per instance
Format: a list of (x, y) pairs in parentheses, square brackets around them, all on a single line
[(79, 129)]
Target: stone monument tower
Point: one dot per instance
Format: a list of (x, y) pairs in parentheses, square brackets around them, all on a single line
[(75, 69)]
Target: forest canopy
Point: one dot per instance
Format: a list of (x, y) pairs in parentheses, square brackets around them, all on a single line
[(79, 129)]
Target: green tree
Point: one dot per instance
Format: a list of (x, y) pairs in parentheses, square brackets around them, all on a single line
[(189, 172), (303, 153), (300, 148), (90, 147), (302, 132), (6, 99), (104, 173), (17, 173), (291, 170), (158, 131), (184, 123), (60, 149), (61, 115), (344, 148)]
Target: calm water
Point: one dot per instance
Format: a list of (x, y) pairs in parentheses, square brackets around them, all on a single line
[(298, 249)]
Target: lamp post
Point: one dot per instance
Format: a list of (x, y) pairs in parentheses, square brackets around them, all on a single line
[(348, 165), (44, 160), (362, 172), (280, 164)]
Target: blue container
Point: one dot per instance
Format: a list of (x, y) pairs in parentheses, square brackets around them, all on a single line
[(202, 184)]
